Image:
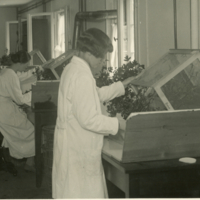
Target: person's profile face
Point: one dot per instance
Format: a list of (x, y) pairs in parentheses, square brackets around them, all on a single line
[(23, 66), (96, 64)]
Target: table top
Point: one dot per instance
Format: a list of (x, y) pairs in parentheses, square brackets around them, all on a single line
[(151, 166)]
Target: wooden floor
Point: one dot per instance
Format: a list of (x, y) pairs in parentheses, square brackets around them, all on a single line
[(177, 185), (21, 186)]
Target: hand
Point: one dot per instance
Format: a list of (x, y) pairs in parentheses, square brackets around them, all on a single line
[(29, 68), (129, 80), (33, 78), (25, 107)]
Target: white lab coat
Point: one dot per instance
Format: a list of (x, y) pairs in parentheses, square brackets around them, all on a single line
[(79, 132), (25, 80), (17, 130)]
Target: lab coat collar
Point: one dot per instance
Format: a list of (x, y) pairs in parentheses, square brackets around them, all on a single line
[(80, 62)]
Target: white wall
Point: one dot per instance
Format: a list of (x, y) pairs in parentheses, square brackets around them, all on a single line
[(6, 14), (155, 29), (183, 21)]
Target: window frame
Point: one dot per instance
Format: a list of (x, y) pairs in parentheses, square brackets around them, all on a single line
[(122, 16), (29, 30)]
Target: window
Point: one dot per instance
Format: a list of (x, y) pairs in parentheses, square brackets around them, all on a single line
[(122, 28), (40, 35), (129, 29), (59, 33)]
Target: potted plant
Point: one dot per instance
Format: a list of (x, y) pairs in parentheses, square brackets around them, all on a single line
[(145, 100)]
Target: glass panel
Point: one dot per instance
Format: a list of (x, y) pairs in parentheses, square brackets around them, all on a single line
[(61, 67), (37, 60), (183, 91)]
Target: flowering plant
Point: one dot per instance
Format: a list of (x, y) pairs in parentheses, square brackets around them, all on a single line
[(46, 73), (43, 74), (145, 100)]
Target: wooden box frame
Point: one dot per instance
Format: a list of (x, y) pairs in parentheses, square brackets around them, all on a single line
[(52, 64), (166, 68), (159, 135), (39, 54)]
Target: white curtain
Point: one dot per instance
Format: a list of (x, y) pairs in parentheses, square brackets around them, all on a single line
[(114, 54), (60, 47)]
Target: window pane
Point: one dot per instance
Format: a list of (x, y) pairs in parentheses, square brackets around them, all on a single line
[(60, 34), (41, 32)]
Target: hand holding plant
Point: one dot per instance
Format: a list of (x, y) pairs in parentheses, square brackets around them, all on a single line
[(135, 98)]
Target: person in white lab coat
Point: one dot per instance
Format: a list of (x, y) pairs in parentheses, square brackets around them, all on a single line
[(81, 127), (17, 130)]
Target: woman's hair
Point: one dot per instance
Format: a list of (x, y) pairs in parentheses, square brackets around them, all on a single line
[(94, 41), (18, 57)]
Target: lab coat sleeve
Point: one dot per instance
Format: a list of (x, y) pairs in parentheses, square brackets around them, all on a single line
[(24, 75), (13, 88), (108, 93), (85, 101)]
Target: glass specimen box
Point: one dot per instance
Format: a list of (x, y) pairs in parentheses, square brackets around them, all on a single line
[(176, 79), (170, 134), (57, 65)]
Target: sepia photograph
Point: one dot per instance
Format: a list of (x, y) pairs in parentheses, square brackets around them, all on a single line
[(99, 99)]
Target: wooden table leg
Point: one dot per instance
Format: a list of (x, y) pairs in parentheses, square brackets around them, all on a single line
[(134, 185), (128, 183), (127, 186), (38, 154)]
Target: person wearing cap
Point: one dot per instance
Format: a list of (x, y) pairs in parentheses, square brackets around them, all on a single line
[(80, 126), (17, 130)]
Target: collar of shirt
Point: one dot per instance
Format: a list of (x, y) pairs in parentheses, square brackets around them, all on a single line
[(80, 62)]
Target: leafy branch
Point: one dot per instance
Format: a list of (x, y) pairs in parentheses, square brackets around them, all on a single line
[(130, 102)]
